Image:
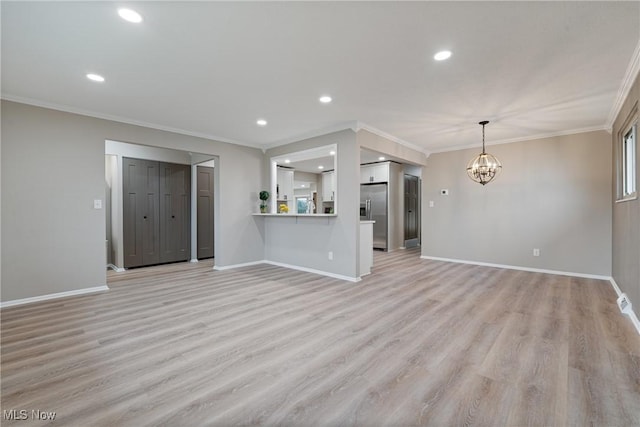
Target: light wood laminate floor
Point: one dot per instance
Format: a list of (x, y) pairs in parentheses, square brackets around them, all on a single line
[(417, 342)]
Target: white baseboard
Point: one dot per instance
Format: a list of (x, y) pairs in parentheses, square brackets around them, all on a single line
[(292, 267), (632, 315), (53, 296), (615, 286), (194, 260), (115, 268), (232, 266), (516, 267), (313, 270)]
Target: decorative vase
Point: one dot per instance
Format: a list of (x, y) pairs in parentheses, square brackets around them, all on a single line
[(263, 208)]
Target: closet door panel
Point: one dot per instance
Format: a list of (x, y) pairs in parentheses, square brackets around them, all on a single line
[(175, 212), (150, 216), (205, 212), (140, 212)]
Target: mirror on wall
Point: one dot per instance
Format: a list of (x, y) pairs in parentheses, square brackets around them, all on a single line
[(304, 182)]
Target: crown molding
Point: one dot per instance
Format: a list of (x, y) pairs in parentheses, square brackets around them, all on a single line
[(352, 125), (522, 139), (89, 113), (364, 126), (627, 82)]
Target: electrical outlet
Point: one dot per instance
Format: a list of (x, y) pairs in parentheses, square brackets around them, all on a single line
[(536, 252), (431, 204), (330, 255), (97, 204)]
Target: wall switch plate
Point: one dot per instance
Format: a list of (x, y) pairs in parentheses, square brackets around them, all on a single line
[(444, 191), (97, 204), (330, 255), (536, 252), (431, 204)]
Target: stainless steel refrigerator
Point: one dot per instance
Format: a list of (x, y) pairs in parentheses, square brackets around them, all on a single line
[(373, 206)]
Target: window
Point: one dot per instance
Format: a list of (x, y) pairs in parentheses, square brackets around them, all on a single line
[(627, 164)]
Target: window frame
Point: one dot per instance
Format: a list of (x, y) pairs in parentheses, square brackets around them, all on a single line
[(627, 159)]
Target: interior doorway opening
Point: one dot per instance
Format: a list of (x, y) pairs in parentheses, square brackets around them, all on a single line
[(199, 234), (390, 194)]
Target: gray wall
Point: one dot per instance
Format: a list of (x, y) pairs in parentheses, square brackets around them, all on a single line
[(626, 216), (305, 242), (554, 194), (53, 167)]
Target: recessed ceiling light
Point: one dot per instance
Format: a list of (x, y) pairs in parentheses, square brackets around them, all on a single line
[(261, 122), (287, 161), (302, 186), (95, 77), (320, 167), (333, 153), (130, 15), (381, 158), (442, 55), (325, 99)]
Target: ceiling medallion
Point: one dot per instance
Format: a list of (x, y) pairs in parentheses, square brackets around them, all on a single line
[(484, 168)]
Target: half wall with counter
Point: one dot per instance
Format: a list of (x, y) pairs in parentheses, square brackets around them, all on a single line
[(326, 243)]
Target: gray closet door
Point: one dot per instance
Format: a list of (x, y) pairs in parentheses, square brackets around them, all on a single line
[(175, 212), (140, 212), (205, 212), (411, 199)]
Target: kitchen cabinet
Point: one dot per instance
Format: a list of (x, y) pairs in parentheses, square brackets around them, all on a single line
[(376, 172), (285, 184), (285, 189), (328, 186)]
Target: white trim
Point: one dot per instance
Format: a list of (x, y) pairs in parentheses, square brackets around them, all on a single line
[(115, 268), (194, 260), (523, 138), (355, 126), (516, 267), (633, 69), (615, 286), (364, 126), (314, 271), (632, 315), (232, 266), (89, 113), (313, 133), (290, 266), (54, 296)]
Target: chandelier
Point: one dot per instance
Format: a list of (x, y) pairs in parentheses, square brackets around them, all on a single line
[(484, 167)]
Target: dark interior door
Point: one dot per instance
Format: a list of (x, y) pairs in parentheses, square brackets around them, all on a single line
[(411, 200), (140, 212), (175, 212), (205, 212)]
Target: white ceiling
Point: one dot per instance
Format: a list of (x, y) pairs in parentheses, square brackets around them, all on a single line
[(213, 68)]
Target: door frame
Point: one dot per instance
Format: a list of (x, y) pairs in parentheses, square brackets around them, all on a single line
[(418, 240), (117, 150)]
